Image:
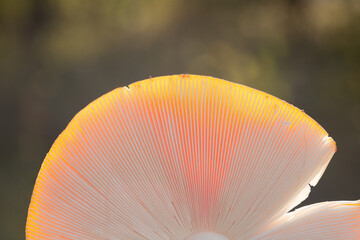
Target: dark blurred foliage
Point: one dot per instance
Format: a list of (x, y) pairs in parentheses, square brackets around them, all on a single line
[(57, 56)]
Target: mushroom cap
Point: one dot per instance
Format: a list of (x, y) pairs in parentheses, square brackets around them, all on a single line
[(173, 156)]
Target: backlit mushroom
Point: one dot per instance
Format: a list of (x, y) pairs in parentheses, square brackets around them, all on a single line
[(187, 157)]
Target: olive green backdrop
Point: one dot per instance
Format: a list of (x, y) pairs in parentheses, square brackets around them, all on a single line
[(56, 56)]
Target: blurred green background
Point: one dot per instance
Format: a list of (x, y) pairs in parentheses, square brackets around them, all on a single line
[(57, 56)]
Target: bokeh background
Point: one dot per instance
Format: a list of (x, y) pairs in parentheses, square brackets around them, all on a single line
[(57, 56)]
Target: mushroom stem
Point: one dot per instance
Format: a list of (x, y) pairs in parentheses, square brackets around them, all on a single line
[(207, 236)]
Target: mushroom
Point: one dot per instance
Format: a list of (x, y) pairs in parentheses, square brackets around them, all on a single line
[(187, 157)]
